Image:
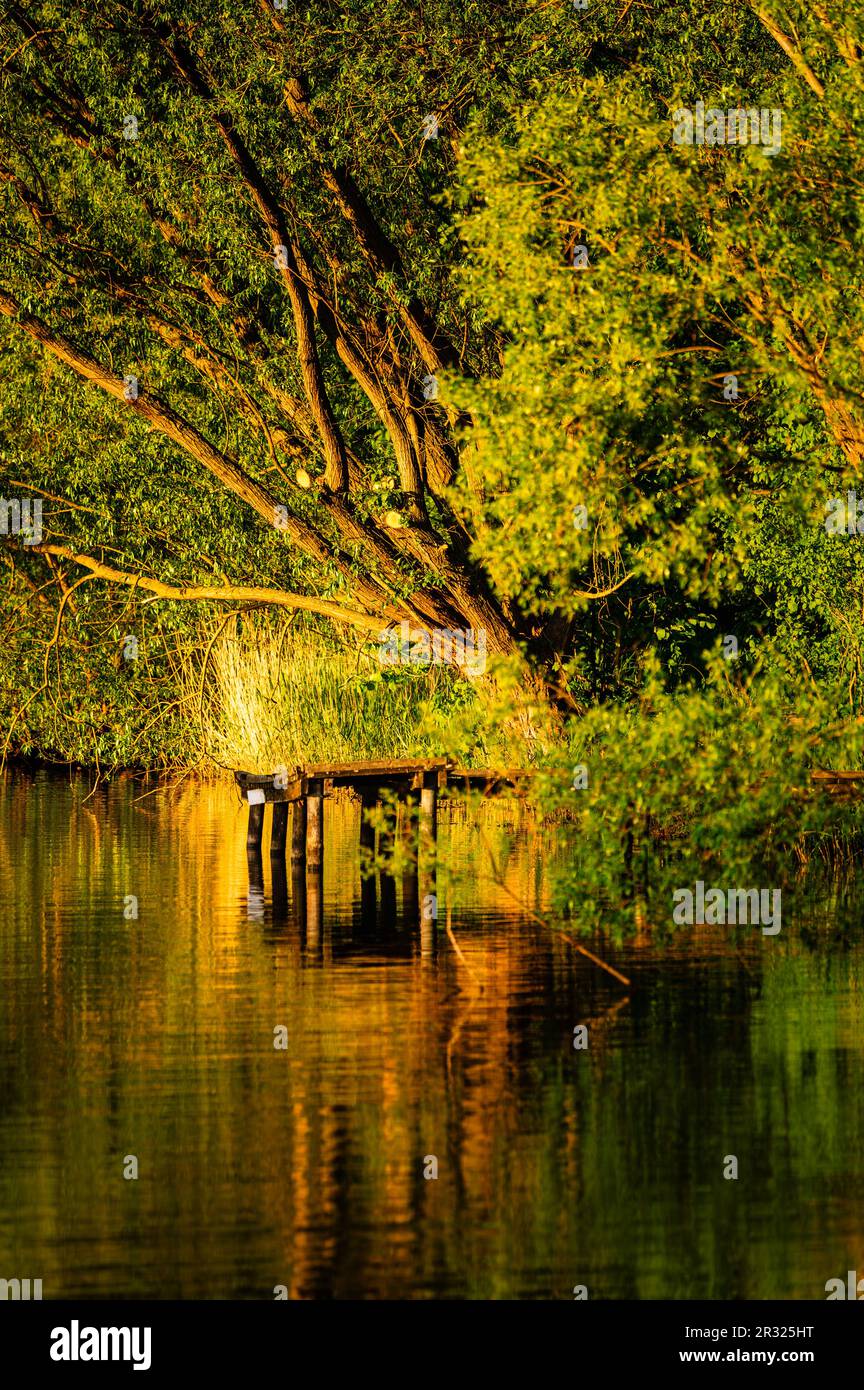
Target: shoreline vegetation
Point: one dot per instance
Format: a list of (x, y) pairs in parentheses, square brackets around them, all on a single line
[(694, 785)]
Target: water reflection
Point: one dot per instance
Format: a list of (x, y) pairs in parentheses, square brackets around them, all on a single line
[(154, 1036)]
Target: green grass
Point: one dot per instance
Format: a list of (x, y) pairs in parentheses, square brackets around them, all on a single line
[(271, 693)]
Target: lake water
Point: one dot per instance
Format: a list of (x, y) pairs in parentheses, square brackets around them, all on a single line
[(152, 1038)]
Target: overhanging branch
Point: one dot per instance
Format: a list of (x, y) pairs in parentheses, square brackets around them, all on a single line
[(224, 593)]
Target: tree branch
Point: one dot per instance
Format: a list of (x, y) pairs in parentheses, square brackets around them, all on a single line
[(285, 259), (162, 418), (795, 56), (237, 593)]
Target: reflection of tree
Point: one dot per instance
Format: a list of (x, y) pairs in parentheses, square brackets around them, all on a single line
[(304, 1167)]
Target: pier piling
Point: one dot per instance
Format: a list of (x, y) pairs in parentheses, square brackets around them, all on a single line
[(298, 834), (279, 832), (256, 825), (315, 823), (429, 809)]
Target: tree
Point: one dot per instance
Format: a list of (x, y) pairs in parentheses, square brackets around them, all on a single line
[(439, 301), (221, 223), (681, 391)]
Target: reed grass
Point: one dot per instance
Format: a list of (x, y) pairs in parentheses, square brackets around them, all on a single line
[(260, 693)]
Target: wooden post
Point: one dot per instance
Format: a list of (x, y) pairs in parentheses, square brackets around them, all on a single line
[(429, 809), (298, 833), (256, 825), (279, 830), (428, 875), (315, 824)]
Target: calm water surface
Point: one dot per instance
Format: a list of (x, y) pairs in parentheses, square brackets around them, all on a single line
[(153, 1037)]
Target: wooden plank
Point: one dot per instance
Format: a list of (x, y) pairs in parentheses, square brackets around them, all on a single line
[(400, 774), (402, 766), (391, 767), (429, 813)]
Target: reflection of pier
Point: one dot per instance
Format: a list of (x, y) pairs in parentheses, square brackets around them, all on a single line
[(397, 799)]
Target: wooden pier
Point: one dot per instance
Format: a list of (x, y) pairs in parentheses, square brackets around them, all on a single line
[(413, 785), (303, 789)]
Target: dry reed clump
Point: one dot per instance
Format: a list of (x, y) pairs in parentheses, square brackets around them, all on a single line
[(268, 693)]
